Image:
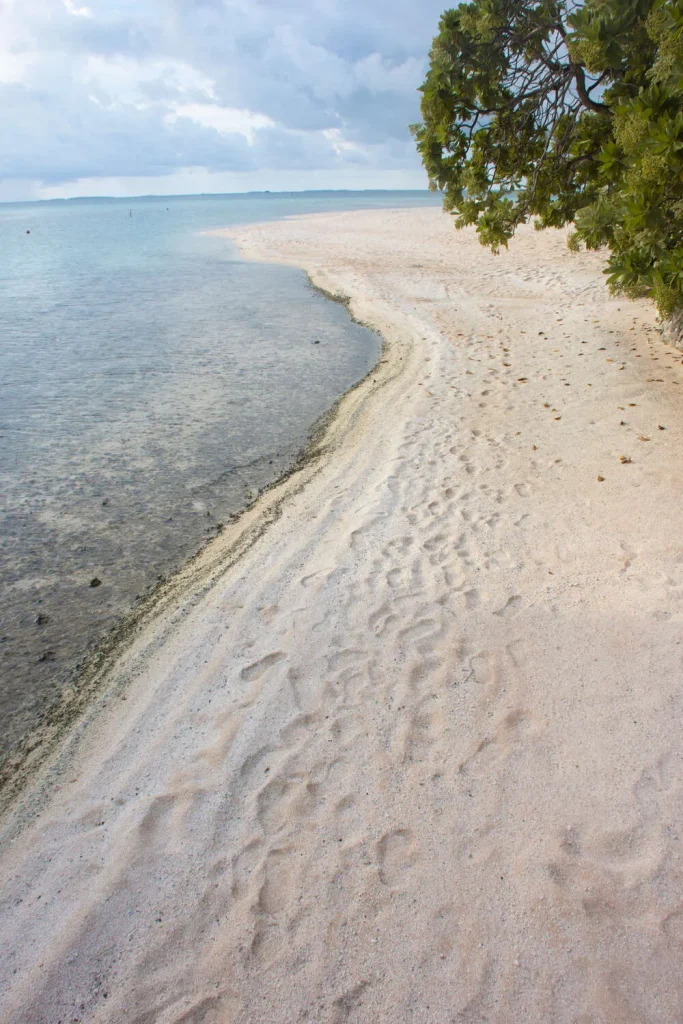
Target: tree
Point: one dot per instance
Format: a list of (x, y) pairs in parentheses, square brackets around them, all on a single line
[(568, 112)]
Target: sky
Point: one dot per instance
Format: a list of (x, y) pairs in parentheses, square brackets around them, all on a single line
[(139, 97)]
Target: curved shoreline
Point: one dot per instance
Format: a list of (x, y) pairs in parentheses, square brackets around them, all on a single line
[(34, 768), (416, 753)]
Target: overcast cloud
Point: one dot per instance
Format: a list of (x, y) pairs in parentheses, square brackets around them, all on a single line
[(122, 97)]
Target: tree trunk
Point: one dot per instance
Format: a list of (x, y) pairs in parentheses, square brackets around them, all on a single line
[(672, 330)]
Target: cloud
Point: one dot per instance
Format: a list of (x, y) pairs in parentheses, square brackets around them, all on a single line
[(80, 12), (149, 88)]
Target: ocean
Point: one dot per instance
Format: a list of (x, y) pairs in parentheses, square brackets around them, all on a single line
[(151, 383)]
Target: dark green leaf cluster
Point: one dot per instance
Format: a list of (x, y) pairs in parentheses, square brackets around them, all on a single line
[(569, 112)]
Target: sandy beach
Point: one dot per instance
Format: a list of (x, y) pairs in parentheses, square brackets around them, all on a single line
[(404, 743)]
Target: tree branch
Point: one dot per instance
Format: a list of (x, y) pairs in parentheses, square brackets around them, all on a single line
[(580, 80)]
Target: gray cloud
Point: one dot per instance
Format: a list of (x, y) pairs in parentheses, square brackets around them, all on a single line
[(106, 92)]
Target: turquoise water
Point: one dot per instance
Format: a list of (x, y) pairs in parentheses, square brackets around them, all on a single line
[(151, 382)]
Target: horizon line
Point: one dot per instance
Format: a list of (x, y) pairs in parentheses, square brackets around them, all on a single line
[(202, 195)]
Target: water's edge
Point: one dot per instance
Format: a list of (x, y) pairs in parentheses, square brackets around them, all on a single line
[(195, 575)]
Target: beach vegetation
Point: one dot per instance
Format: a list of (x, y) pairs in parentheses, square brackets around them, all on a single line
[(568, 113)]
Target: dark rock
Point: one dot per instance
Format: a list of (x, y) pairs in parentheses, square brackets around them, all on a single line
[(94, 582), (41, 619)]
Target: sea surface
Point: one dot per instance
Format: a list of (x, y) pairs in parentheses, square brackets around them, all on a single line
[(151, 383)]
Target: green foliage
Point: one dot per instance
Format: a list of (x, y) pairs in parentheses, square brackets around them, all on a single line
[(569, 112)]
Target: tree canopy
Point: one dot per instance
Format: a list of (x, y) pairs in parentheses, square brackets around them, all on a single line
[(569, 112)]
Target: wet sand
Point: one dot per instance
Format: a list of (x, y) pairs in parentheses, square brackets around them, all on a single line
[(404, 743)]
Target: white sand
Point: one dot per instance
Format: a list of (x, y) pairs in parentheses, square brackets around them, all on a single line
[(416, 756)]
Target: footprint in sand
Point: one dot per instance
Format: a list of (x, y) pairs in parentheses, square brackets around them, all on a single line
[(396, 854), (259, 668)]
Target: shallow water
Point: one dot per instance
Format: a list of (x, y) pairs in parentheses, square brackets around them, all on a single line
[(151, 383)]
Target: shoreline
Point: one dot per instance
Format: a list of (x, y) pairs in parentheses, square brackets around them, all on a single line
[(34, 768), (124, 497), (415, 754)]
